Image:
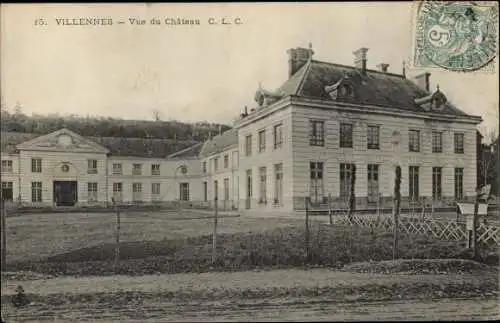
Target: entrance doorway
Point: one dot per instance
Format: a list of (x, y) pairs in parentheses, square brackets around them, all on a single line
[(65, 193), (7, 193)]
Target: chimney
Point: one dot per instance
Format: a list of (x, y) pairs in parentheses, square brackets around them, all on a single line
[(422, 81), (383, 67), (360, 59), (298, 57)]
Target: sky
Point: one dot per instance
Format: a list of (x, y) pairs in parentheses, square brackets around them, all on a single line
[(205, 72)]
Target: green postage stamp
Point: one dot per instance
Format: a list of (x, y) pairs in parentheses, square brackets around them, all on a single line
[(456, 36)]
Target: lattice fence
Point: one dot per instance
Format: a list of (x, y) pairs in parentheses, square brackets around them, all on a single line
[(440, 229)]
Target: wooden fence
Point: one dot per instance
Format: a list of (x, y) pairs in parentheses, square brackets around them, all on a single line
[(437, 228)]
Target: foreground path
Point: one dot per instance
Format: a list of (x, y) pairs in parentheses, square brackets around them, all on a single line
[(305, 310), (286, 278)]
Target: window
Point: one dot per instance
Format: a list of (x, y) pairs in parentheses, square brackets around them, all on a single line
[(226, 161), (36, 191), (278, 136), (136, 192), (262, 141), (117, 191), (437, 142), (346, 171), (205, 191), (373, 137), (7, 191), (36, 165), (414, 140), (216, 164), (7, 166), (248, 145), (216, 189), (459, 142), (226, 189), (346, 135), (249, 188), (436, 183), (263, 184), (184, 191), (155, 169), (155, 191), (317, 133), (91, 166), (373, 183), (117, 169), (136, 169), (204, 166), (278, 185), (413, 183), (92, 192), (459, 183), (316, 184)]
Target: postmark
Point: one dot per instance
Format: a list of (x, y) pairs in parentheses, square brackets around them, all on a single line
[(456, 36)]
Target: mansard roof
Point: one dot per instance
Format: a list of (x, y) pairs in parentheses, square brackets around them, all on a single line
[(315, 79)]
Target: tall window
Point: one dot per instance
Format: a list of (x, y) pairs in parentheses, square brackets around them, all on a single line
[(373, 137), (36, 165), (346, 171), (226, 161), (7, 166), (92, 192), (278, 136), (459, 142), (316, 181), (278, 185), (117, 191), (226, 189), (205, 191), (263, 184), (262, 141), (117, 169), (346, 135), (248, 145), (7, 192), (136, 192), (155, 169), (91, 166), (317, 133), (373, 183), (204, 166), (459, 183), (249, 188), (184, 191), (437, 142), (155, 191), (216, 189), (413, 183), (436, 183), (216, 164), (36, 191), (136, 169), (414, 140)]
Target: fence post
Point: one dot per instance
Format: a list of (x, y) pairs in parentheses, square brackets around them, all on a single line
[(307, 228), (330, 207), (214, 236), (397, 201), (4, 233), (117, 247)]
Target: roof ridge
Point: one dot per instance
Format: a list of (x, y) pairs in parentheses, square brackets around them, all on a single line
[(353, 68), (307, 68)]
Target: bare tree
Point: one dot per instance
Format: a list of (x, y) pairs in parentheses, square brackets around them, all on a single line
[(486, 162)]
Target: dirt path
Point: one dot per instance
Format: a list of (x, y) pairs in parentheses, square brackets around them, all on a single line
[(303, 310), (288, 278)]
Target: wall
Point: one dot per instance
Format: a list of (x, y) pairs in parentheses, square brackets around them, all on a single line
[(388, 156)]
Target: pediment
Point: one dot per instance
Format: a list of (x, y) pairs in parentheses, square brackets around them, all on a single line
[(63, 140)]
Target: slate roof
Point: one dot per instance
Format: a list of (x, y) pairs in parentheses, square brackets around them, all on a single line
[(374, 88), (118, 146), (220, 143), (192, 151)]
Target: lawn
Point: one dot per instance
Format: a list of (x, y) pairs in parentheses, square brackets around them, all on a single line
[(36, 236)]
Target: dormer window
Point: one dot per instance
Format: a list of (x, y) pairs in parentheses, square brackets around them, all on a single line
[(342, 89), (345, 91), (435, 101)]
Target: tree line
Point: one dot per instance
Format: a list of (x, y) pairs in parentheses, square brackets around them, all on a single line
[(17, 121)]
